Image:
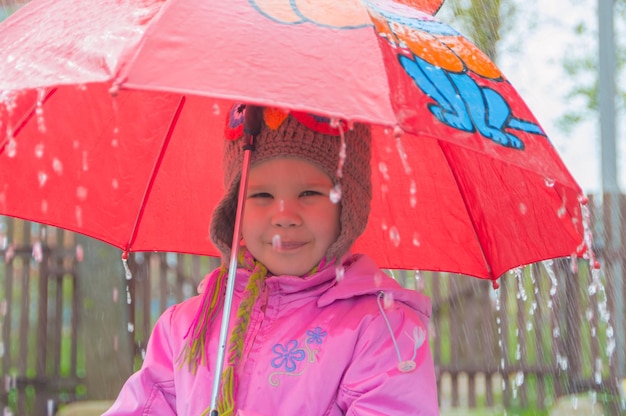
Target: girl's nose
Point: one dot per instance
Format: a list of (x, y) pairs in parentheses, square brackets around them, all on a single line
[(286, 214)]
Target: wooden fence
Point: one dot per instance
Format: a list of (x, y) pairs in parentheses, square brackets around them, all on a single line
[(65, 320)]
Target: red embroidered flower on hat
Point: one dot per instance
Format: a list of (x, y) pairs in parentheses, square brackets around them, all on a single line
[(320, 124)]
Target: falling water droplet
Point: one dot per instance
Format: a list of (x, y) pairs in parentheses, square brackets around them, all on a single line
[(41, 125), (44, 206), (216, 109), (37, 252), (11, 147), (413, 194), (549, 182), (57, 166), (397, 131), (79, 216), (523, 209), (388, 300), (339, 273), (115, 184), (85, 161), (81, 193), (384, 170), (378, 278), (115, 295), (131, 327), (335, 194), (276, 242), (39, 151), (416, 240), (394, 236), (42, 178)]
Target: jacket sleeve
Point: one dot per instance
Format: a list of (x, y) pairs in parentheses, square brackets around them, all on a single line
[(151, 389), (391, 375)]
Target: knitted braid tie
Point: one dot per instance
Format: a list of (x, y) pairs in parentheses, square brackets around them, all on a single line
[(195, 352)]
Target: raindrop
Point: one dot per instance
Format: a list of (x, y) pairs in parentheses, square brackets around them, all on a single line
[(85, 161), (79, 216), (80, 253), (382, 168), (378, 278), (523, 209), (41, 94), (388, 300), (276, 243), (397, 131), (384, 225), (416, 241), (9, 254), (561, 212), (334, 123), (37, 252), (44, 206), (131, 327), (403, 156), (42, 177), (413, 194), (549, 182), (339, 273), (81, 193), (115, 184), (11, 146), (115, 295), (394, 236), (115, 142), (115, 343), (39, 151), (216, 109), (519, 378), (335, 194), (50, 407)]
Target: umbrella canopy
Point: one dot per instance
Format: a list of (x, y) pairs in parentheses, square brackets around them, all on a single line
[(113, 114)]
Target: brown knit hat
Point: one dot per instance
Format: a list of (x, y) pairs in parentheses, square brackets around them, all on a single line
[(289, 137)]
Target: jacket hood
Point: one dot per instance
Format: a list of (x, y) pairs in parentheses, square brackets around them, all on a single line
[(363, 277)]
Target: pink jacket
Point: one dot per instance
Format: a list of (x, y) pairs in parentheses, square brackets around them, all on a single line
[(357, 346)]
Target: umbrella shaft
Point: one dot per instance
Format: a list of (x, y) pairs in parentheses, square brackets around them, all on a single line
[(230, 283)]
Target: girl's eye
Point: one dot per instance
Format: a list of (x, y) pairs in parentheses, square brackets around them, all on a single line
[(310, 193), (260, 195)]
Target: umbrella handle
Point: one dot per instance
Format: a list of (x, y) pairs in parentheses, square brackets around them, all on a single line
[(252, 127)]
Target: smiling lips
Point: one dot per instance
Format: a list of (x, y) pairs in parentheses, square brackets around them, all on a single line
[(288, 245)]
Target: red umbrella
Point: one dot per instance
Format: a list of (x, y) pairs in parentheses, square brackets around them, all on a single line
[(113, 113), (113, 116)]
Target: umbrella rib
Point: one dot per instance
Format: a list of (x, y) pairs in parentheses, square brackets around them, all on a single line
[(482, 252), (153, 173)]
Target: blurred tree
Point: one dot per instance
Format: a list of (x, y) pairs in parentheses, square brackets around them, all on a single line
[(485, 22), (581, 65)]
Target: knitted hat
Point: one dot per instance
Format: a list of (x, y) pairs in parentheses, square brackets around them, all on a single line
[(310, 138)]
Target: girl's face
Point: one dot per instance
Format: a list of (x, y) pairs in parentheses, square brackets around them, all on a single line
[(289, 221)]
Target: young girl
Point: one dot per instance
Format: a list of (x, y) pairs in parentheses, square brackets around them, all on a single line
[(315, 330)]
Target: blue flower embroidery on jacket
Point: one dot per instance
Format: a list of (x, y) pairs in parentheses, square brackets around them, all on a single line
[(287, 355), (315, 336)]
